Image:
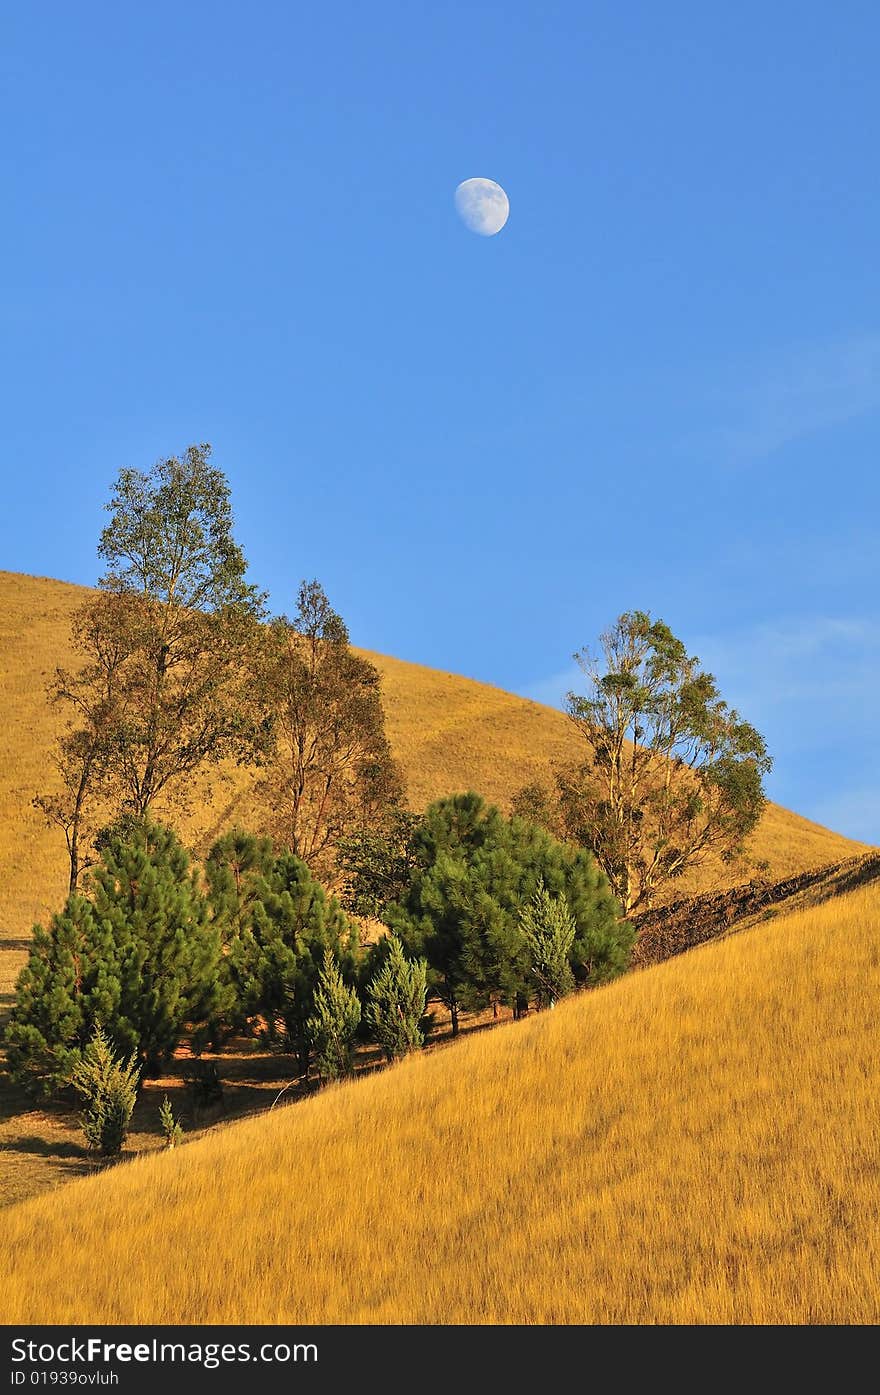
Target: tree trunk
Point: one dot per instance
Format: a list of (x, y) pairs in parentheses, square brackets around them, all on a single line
[(453, 1012), (73, 850)]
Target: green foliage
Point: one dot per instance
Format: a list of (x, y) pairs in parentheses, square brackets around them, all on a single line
[(333, 1022), (672, 773), (549, 929), (109, 1089), (396, 995), (172, 1130), (279, 922), (170, 536), (377, 864), (166, 948), (475, 870), (235, 869), (68, 985), (535, 803), (141, 956)]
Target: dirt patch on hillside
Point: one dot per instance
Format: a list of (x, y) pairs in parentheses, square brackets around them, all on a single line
[(682, 925)]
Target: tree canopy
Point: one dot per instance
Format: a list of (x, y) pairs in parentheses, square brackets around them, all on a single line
[(139, 957), (671, 774), (278, 924), (162, 694), (327, 768), (475, 870)]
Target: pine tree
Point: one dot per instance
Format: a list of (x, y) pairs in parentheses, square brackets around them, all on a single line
[(166, 946), (474, 870), (333, 1023), (376, 863), (172, 1131), (109, 1088), (275, 957), (235, 869), (396, 996), (548, 929), (69, 983)]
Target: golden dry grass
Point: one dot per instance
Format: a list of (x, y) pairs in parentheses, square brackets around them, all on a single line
[(694, 1143), (449, 733)]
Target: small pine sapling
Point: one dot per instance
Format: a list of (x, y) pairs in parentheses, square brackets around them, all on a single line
[(172, 1130), (334, 1021), (548, 929), (108, 1086), (396, 997)]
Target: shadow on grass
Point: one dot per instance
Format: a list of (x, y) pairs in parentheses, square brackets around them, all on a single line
[(45, 1148)]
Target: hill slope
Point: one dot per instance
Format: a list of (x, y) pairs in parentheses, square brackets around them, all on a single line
[(449, 733), (694, 1143)]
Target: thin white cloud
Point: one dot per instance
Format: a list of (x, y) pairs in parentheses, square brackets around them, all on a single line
[(795, 393), (551, 690), (829, 658), (773, 663)]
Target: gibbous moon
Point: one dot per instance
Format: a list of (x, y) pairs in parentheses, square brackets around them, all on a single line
[(482, 206)]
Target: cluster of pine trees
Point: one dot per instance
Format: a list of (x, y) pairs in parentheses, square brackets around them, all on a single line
[(158, 951), (501, 910)]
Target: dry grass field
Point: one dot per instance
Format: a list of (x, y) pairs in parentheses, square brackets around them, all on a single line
[(449, 733), (697, 1142)]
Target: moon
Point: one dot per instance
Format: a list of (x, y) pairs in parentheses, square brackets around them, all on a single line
[(482, 206)]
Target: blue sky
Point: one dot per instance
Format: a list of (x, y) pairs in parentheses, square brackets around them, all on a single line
[(658, 386)]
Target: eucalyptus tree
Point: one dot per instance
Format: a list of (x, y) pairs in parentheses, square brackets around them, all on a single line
[(671, 773), (326, 768), (162, 692)]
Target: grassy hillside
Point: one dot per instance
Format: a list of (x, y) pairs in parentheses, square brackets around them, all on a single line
[(694, 1143), (449, 733)]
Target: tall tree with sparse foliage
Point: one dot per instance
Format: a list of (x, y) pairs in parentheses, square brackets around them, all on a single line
[(169, 544), (333, 1022), (396, 995), (327, 769), (163, 692), (87, 792), (672, 774)]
